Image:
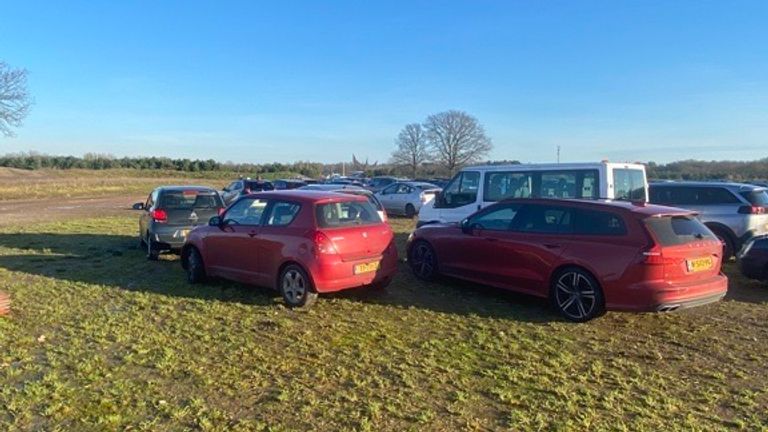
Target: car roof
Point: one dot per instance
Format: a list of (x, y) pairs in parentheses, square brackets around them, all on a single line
[(639, 208), (332, 187), (729, 185), (307, 196), (421, 183), (185, 188)]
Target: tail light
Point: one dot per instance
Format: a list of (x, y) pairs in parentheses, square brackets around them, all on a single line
[(655, 256), (159, 215), (323, 245), (752, 210)]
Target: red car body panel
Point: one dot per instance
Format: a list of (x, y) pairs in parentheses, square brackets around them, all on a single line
[(526, 262), (256, 254)]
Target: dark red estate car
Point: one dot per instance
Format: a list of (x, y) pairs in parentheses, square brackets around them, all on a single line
[(585, 256), (300, 242)]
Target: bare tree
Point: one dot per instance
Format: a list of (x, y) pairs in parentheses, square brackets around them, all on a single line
[(411, 148), (456, 139), (14, 99)]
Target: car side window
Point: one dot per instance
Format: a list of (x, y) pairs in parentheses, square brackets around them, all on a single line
[(462, 190), (716, 195), (247, 211), (282, 213), (496, 219), (390, 190), (593, 222), (403, 189), (544, 219)]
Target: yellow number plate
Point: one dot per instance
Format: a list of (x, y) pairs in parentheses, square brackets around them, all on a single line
[(367, 267), (699, 264)]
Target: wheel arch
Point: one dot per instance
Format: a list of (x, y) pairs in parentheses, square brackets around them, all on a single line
[(290, 262)]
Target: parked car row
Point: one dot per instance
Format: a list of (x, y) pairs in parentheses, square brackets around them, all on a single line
[(585, 255)]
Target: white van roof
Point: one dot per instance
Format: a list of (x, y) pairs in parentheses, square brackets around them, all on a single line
[(554, 166)]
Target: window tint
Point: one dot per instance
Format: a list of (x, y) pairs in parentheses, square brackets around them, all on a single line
[(756, 197), (498, 219), (462, 190), (691, 195), (628, 184), (346, 213), (677, 230), (544, 219), (189, 199), (403, 188), (503, 185), (282, 213), (595, 222), (390, 190), (246, 212)]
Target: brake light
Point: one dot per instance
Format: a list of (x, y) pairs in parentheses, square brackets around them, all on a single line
[(323, 245), (159, 215), (751, 210)]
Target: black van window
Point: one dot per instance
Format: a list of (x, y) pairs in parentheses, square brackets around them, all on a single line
[(462, 190)]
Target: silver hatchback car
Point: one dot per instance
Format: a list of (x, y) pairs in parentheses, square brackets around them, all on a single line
[(735, 212), (406, 198)]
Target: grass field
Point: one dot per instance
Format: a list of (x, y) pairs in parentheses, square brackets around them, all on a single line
[(51, 183), (101, 339)]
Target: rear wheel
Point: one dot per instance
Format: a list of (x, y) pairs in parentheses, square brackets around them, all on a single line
[(729, 244), (194, 265), (423, 261), (410, 211), (296, 288), (152, 251), (576, 295)]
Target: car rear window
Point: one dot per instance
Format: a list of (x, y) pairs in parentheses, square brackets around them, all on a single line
[(189, 199), (346, 213), (757, 197), (678, 230)]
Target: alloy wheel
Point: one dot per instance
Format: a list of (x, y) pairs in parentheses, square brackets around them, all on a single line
[(294, 286), (423, 261), (576, 296)]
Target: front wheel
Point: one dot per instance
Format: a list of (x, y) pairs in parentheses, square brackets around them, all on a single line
[(194, 266), (577, 296), (296, 287), (423, 261)]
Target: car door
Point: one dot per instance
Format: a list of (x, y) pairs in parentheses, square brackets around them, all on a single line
[(388, 198), (144, 218), (278, 240), (479, 250), (460, 198), (229, 248)]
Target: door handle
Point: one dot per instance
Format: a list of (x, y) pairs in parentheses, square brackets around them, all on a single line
[(253, 234), (551, 246), (491, 239)]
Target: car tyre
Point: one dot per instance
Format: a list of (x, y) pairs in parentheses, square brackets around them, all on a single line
[(423, 261), (142, 243), (410, 211), (729, 244), (296, 288), (152, 251), (576, 295), (194, 265)]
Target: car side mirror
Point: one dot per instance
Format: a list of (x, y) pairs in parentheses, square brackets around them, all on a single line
[(215, 221), (466, 228), (138, 206)]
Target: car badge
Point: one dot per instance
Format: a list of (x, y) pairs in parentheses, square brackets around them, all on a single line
[(193, 215)]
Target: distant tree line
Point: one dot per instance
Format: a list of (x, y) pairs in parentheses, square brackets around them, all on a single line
[(33, 161), (710, 170)]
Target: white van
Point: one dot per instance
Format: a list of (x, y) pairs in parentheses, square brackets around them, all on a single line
[(476, 187)]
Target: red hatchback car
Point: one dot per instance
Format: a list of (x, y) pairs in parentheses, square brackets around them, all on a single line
[(300, 242), (585, 256)]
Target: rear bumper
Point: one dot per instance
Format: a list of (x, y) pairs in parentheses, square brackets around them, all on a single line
[(169, 237), (331, 275), (662, 296)]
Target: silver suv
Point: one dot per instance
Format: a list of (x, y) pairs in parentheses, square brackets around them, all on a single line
[(735, 212)]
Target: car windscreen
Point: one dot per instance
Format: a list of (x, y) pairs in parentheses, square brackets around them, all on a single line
[(678, 230), (189, 199), (758, 197), (346, 213)]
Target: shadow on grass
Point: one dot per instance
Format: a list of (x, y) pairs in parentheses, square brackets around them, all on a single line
[(116, 261)]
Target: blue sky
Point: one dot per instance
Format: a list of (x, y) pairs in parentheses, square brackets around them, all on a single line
[(287, 81)]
